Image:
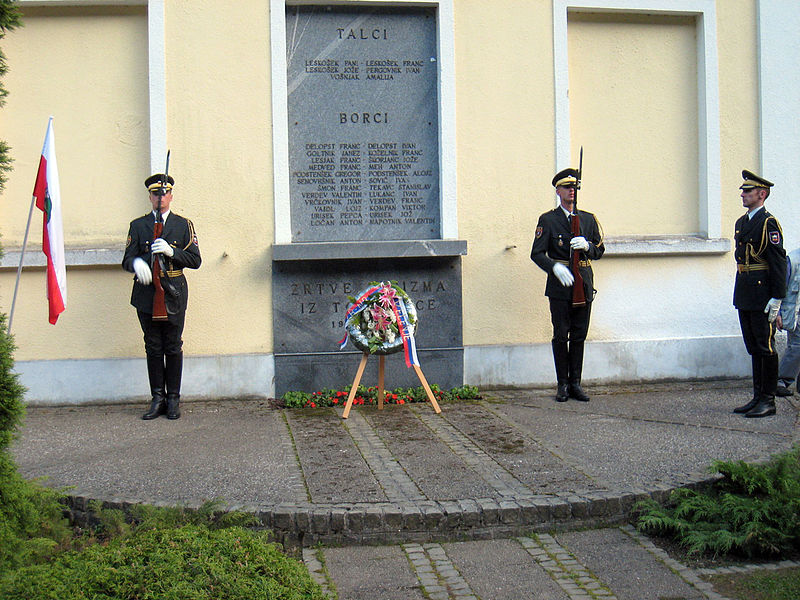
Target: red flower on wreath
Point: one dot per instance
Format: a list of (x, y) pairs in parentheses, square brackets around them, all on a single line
[(387, 296), (381, 319)]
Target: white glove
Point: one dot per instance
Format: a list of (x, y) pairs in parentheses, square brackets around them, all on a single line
[(579, 243), (772, 308), (142, 270), (564, 274), (160, 246)]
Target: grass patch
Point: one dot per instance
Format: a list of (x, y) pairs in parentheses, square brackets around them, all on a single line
[(780, 584)]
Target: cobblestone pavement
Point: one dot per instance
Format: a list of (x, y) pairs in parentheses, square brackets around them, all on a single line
[(499, 498), (601, 564)]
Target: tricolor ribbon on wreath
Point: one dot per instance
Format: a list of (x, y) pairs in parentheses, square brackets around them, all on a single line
[(359, 305), (409, 345), (402, 320)]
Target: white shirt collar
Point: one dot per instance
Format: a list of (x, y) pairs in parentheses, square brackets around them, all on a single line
[(164, 216), (566, 212), (752, 213)]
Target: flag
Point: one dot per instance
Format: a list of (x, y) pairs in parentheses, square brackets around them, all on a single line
[(47, 195)]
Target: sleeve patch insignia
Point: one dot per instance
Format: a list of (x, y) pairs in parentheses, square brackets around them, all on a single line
[(128, 243), (194, 240), (538, 232), (775, 237)]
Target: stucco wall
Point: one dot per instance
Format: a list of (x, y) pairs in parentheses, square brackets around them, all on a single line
[(635, 111)]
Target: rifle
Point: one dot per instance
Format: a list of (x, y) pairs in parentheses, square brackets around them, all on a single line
[(157, 262), (578, 294)]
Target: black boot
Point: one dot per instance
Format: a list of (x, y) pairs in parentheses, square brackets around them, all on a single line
[(155, 373), (764, 408), (576, 391), (575, 371), (173, 377), (769, 382), (561, 359), (756, 362)]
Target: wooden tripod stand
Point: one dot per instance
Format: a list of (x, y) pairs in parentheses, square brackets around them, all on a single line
[(381, 372)]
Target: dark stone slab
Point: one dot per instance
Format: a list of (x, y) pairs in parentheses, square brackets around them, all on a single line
[(368, 573), (309, 303), (502, 570), (333, 467), (363, 123), (630, 570), (439, 473), (523, 457)]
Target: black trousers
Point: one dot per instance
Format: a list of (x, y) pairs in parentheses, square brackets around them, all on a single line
[(570, 323), (570, 327), (759, 339), (758, 332), (162, 338)]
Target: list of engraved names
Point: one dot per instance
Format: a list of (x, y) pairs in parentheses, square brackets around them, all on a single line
[(363, 124)]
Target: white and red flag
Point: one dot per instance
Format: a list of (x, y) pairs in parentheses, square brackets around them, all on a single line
[(47, 194)]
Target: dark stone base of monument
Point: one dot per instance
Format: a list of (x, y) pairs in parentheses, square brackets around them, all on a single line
[(310, 298), (317, 371)]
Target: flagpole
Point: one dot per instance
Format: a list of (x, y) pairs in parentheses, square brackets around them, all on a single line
[(21, 259)]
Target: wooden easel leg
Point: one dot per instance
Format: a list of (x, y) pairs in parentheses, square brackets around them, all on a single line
[(354, 389), (428, 391), (381, 365)]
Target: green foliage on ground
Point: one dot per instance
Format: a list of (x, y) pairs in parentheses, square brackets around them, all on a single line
[(753, 510), (369, 395), (192, 562), (32, 526)]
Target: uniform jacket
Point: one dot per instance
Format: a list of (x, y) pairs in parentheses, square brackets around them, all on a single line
[(760, 261), (179, 232), (791, 303), (551, 244)]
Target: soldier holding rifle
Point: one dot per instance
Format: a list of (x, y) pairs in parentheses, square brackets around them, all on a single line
[(760, 286), (566, 242), (160, 245)]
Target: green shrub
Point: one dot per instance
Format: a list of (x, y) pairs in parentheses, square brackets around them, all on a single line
[(754, 510), (113, 522), (32, 525), (192, 562)]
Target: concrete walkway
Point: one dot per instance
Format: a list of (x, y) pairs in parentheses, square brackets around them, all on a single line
[(487, 500)]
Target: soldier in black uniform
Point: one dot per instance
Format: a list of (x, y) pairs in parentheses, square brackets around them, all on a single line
[(551, 251), (760, 286), (162, 335)]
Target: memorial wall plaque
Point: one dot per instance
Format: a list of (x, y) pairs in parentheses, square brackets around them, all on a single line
[(363, 123), (309, 304)]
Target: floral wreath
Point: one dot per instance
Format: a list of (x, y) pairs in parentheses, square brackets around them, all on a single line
[(373, 325)]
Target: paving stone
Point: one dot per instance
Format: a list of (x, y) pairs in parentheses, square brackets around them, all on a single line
[(630, 571)]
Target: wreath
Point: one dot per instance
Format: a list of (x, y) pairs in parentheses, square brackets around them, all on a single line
[(375, 328)]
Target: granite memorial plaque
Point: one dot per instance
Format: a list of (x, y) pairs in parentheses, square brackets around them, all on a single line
[(309, 303), (363, 123)]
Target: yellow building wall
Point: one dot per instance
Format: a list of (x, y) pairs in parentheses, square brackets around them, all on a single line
[(219, 133), (633, 106), (87, 67), (506, 156), (219, 130)]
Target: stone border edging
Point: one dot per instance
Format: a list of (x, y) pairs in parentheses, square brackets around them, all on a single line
[(306, 524)]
